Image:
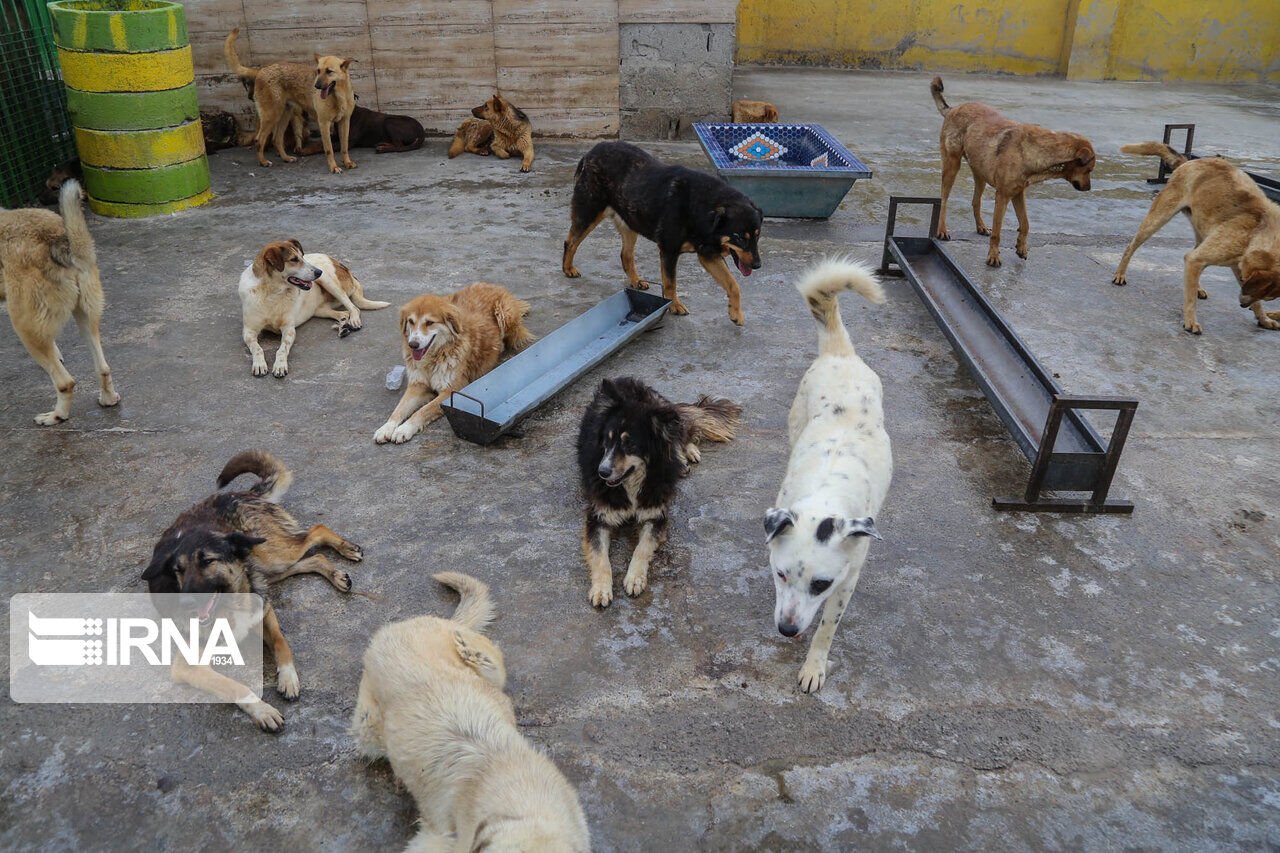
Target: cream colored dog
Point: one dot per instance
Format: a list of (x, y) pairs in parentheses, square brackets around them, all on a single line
[(431, 702), (837, 476), (277, 294)]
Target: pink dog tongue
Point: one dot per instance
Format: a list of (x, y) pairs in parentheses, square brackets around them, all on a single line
[(324, 93), (745, 270), (208, 608), (419, 353)]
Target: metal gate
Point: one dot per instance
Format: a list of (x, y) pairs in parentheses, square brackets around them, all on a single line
[(35, 131)]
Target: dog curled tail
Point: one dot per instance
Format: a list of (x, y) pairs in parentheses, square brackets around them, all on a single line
[(711, 419), (274, 478), (244, 72), (822, 284), (475, 608), (78, 251), (1171, 158), (935, 89)]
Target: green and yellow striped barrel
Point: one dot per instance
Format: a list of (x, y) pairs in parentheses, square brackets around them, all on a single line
[(132, 96)]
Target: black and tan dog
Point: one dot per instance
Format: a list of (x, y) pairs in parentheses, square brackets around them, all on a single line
[(679, 209), (633, 447), (244, 542)]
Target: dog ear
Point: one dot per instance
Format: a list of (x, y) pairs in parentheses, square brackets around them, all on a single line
[(610, 390), (160, 564), (293, 241), (318, 58), (865, 526), (717, 218), (845, 528), (667, 426), (1083, 156), (777, 521), (1261, 285), (242, 543), (346, 63), (450, 319), (273, 257)]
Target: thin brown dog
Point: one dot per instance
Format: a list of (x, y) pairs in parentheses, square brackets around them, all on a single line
[(1009, 156), (1235, 224)]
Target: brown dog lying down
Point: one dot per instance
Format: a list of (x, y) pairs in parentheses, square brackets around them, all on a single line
[(502, 129), (1235, 224), (382, 132), (1010, 156), (754, 112), (450, 342)]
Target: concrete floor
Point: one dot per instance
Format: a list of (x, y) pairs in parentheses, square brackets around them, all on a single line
[(1009, 682)]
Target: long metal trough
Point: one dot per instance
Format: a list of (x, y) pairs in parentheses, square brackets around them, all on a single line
[(490, 406), (1269, 186), (1067, 455)]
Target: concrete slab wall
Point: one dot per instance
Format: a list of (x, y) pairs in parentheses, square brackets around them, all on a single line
[(1227, 41)]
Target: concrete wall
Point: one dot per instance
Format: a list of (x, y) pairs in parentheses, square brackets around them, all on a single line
[(676, 65), (1224, 40), (558, 60)]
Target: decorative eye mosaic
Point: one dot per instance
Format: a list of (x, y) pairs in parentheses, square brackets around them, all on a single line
[(758, 148)]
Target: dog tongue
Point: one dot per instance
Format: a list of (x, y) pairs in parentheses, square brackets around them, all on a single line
[(324, 93), (419, 353), (745, 270), (208, 608)]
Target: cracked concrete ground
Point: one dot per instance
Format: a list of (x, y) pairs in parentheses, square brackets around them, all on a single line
[(1011, 682)]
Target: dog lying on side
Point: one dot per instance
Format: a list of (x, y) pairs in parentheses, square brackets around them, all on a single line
[(382, 132), (837, 476), (1010, 156), (680, 209), (282, 89), (277, 294), (633, 447), (754, 112), (448, 343), (242, 542), (431, 701), (49, 274), (1235, 224), (499, 128)]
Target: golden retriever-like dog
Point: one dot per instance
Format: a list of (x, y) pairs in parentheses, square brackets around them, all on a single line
[(49, 274), (284, 288), (431, 701), (450, 342), (283, 89), (1010, 156), (754, 112), (1235, 224)]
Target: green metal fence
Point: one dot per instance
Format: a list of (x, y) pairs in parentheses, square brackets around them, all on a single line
[(35, 131)]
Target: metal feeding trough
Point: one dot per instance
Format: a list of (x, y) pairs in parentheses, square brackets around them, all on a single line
[(492, 404), (1066, 453), (1270, 186), (790, 170)]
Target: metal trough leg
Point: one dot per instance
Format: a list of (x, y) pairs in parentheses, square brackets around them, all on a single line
[(1097, 502), (886, 259), (1162, 177)]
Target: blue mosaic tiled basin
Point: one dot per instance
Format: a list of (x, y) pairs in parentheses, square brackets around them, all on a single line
[(791, 170)]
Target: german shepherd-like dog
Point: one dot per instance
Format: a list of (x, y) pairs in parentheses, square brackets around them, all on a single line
[(680, 209), (244, 542), (499, 128), (633, 447)]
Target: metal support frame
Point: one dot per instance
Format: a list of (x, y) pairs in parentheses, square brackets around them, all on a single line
[(886, 259), (1162, 177)]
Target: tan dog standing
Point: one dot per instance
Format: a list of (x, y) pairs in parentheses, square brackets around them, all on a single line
[(1009, 156), (450, 342), (285, 288), (281, 89), (511, 132), (431, 702), (49, 274), (1235, 224)]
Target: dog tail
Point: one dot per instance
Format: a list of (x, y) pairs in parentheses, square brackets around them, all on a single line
[(509, 313), (1171, 158), (475, 608), (458, 144), (935, 89), (275, 478), (79, 239), (711, 419), (821, 286), (233, 60)]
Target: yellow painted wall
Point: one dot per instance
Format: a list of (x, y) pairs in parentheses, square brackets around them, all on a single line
[(1225, 40)]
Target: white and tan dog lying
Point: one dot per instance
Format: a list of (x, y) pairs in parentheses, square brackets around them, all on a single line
[(431, 702), (837, 477), (279, 292)]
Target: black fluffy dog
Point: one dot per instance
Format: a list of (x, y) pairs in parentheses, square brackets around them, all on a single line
[(633, 447), (679, 209), (382, 132)]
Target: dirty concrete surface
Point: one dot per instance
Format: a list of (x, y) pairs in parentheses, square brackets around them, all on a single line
[(1010, 682)]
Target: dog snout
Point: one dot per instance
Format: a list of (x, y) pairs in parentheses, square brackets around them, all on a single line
[(755, 260), (188, 602), (605, 470), (1246, 301), (315, 272), (787, 628)]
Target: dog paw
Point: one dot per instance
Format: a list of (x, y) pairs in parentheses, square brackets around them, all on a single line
[(943, 234), (1192, 327), (677, 308), (1202, 294), (107, 399), (1119, 280), (635, 581), (693, 453), (354, 321), (1268, 323), (737, 318), (350, 550), (266, 164), (289, 159), (280, 369), (600, 595), (640, 284), (341, 580), (525, 169), (384, 433), (572, 272), (984, 231), (287, 681), (266, 716), (403, 433), (993, 260), (1022, 253), (812, 676), (335, 170), (348, 164), (49, 418)]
